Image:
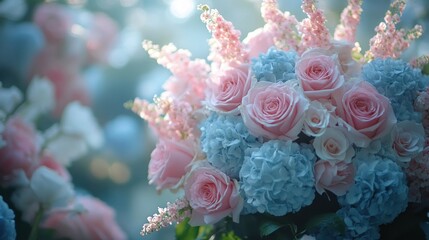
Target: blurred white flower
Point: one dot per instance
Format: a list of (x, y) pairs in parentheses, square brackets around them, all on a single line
[(13, 9), (67, 148), (79, 120), (40, 99), (45, 188), (9, 99)]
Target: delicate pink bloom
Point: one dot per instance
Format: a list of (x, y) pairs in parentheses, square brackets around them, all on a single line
[(316, 119), (333, 145), (259, 41), (319, 73), (314, 33), (408, 140), (101, 37), (365, 113), (96, 222), (168, 162), (335, 177), (54, 20), (212, 195), (274, 110), (227, 93), (348, 66), (20, 152), (350, 18)]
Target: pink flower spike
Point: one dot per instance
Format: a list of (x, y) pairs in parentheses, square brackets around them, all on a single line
[(420, 62), (350, 18), (225, 44), (388, 41), (173, 213), (313, 30), (283, 25)]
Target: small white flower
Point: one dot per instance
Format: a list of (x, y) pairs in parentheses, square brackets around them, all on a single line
[(78, 120), (67, 148), (40, 99), (333, 145), (9, 98)]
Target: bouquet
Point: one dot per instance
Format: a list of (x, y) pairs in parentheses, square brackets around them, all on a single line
[(293, 131)]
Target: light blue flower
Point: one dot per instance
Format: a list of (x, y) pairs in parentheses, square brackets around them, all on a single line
[(224, 139), (380, 192), (277, 178), (399, 82), (274, 66), (7, 222)]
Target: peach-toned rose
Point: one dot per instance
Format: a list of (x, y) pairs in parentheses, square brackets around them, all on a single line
[(365, 113), (212, 195), (335, 177), (319, 73), (96, 222), (168, 162), (274, 110), (229, 89), (20, 151)]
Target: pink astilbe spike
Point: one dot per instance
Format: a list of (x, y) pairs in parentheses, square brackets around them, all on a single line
[(313, 29), (350, 18), (225, 44), (420, 62), (168, 117), (282, 25), (388, 41), (173, 213), (188, 75)]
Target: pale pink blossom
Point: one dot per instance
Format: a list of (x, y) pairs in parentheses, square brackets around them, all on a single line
[(96, 222), (212, 195), (54, 20), (333, 145), (335, 177), (313, 31), (348, 66), (274, 110), (101, 36), (319, 73), (259, 41), (21, 149), (316, 119), (366, 114), (408, 140), (229, 88), (350, 18), (169, 161)]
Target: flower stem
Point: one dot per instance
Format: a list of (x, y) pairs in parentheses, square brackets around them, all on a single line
[(35, 227)]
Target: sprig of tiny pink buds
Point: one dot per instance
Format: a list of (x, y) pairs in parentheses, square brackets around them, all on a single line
[(173, 213)]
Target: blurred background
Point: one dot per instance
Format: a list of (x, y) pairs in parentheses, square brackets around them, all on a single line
[(119, 70)]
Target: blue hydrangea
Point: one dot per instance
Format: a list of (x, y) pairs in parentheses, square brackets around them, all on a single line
[(274, 66), (7, 222), (224, 139), (380, 192), (358, 225), (277, 178), (399, 82)]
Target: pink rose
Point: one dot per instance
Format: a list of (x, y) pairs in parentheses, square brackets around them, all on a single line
[(319, 73), (20, 151), (54, 20), (230, 88), (348, 66), (335, 177), (333, 145), (212, 195), (274, 110), (365, 113), (96, 222), (408, 140), (168, 162), (259, 41)]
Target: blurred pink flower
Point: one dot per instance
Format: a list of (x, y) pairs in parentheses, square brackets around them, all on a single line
[(259, 41), (95, 222), (21, 148), (54, 20), (336, 177), (101, 37)]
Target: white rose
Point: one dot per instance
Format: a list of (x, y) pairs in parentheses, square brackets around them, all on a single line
[(333, 145), (408, 140), (316, 119)]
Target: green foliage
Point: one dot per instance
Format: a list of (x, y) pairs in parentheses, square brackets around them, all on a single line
[(426, 69), (184, 231), (328, 219)]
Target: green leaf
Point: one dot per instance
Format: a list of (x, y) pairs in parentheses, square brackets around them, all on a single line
[(229, 236), (184, 231), (205, 232), (426, 69), (268, 228), (328, 219)]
